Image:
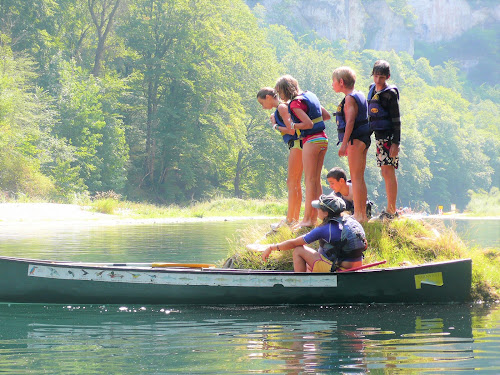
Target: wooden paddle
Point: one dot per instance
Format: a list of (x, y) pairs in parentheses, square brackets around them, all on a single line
[(362, 267), (186, 265), (141, 265)]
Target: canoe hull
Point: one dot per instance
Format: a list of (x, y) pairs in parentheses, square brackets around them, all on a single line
[(34, 281)]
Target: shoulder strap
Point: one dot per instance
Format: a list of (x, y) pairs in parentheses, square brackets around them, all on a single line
[(392, 88), (371, 91)]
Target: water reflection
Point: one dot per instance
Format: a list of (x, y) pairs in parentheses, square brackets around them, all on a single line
[(150, 339), (187, 242), (218, 340), (476, 231)]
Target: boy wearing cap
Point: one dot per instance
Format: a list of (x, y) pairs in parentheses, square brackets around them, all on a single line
[(329, 232)]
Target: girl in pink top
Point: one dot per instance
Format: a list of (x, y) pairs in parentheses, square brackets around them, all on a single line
[(308, 117)]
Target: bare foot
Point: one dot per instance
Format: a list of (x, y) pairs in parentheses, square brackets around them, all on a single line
[(362, 219), (302, 226)]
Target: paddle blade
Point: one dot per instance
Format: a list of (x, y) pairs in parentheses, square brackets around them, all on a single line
[(257, 247)]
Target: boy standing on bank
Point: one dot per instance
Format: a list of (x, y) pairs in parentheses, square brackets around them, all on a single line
[(383, 112), (354, 134)]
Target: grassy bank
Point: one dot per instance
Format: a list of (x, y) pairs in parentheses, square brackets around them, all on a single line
[(400, 242), (217, 207)]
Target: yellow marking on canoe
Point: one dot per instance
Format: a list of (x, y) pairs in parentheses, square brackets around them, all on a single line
[(435, 278)]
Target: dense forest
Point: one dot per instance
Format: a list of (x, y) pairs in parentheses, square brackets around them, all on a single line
[(155, 100)]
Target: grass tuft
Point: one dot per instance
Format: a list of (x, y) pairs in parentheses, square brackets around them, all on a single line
[(105, 205)]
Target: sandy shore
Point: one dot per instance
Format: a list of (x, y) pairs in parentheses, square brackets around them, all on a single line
[(65, 214)]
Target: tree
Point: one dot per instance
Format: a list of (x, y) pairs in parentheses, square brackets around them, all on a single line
[(89, 108), (25, 121), (201, 72), (103, 13)]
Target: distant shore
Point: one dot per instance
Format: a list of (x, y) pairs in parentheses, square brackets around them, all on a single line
[(63, 214), (456, 216), (57, 213)]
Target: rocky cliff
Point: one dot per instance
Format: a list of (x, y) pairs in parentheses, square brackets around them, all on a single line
[(383, 24)]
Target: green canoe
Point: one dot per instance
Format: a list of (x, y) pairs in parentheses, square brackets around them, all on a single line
[(43, 281)]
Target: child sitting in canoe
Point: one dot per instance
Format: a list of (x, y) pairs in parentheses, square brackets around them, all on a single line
[(342, 240)]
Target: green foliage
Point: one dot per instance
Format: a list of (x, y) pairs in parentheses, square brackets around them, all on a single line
[(172, 116), (244, 207), (21, 177), (68, 181), (105, 205), (484, 203), (401, 7), (23, 128), (89, 121), (209, 60), (106, 202), (218, 207), (478, 45)]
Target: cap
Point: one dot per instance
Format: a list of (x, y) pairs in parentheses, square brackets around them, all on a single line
[(332, 203)]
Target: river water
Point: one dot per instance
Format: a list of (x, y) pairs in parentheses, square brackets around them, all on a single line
[(95, 339)]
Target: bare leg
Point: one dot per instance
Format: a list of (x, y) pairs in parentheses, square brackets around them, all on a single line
[(304, 256), (313, 155), (356, 155), (391, 186), (293, 183), (317, 173)]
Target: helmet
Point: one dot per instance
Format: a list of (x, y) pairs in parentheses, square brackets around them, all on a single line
[(331, 203)]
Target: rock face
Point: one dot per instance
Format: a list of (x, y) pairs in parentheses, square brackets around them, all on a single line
[(440, 20), (373, 24)]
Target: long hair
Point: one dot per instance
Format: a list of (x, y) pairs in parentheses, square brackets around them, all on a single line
[(287, 87)]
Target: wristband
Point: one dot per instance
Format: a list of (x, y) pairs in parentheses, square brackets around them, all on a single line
[(292, 125), (275, 126)]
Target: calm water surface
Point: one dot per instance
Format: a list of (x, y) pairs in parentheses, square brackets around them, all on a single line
[(89, 339)]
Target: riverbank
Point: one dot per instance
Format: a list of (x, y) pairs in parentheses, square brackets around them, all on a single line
[(457, 216), (64, 214), (56, 212)]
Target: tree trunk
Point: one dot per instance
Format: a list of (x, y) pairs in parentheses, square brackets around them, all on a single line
[(237, 177), (103, 23)]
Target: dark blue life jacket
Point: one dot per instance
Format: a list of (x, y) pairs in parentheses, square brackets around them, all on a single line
[(313, 111), (352, 241), (279, 121), (361, 126), (379, 117)]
